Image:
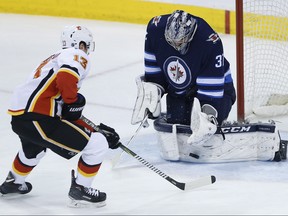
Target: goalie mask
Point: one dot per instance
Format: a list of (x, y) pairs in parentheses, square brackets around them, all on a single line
[(179, 31), (72, 36)]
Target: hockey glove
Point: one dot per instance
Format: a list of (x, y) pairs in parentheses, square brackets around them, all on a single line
[(74, 110), (111, 136)]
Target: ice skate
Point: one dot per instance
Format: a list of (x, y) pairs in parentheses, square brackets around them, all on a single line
[(9, 187), (85, 197)]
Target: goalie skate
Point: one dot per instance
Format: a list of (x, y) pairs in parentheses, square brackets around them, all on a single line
[(9, 187), (81, 196)]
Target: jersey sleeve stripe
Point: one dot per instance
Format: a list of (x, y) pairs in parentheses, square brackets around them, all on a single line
[(149, 57), (213, 94), (228, 76), (210, 81), (152, 69)]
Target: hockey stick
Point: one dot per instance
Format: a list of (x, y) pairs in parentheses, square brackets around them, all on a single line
[(117, 157), (183, 186)]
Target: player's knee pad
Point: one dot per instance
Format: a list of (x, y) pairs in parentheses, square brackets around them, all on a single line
[(31, 160), (96, 148)]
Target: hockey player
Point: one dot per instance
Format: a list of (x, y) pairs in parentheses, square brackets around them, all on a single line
[(184, 60), (46, 113)]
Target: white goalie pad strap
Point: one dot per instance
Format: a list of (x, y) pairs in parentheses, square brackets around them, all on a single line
[(202, 128), (168, 145), (148, 99)]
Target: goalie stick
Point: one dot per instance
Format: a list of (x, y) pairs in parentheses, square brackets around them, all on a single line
[(181, 185)]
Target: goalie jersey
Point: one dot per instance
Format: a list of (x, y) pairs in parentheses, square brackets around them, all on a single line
[(56, 80), (203, 69)]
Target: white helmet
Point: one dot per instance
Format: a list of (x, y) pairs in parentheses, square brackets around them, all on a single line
[(73, 35)]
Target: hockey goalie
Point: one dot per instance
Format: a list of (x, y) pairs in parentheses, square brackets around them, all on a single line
[(204, 141), (184, 60)]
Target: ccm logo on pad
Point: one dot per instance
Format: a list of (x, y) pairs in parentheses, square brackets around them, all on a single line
[(235, 129)]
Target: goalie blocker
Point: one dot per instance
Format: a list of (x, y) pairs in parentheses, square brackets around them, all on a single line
[(231, 142)]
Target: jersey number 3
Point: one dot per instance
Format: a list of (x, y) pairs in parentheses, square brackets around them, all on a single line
[(219, 61), (81, 60)]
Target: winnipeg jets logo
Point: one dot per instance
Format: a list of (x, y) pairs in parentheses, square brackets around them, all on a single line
[(177, 72), (213, 37), (156, 20)]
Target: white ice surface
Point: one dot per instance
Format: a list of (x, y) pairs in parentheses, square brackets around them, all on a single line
[(244, 188)]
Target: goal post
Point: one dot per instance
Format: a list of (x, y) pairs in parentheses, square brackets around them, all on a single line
[(262, 57)]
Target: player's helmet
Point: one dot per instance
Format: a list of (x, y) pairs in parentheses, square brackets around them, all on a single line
[(180, 29), (72, 36)]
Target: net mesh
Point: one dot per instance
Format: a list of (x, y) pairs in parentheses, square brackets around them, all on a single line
[(265, 24)]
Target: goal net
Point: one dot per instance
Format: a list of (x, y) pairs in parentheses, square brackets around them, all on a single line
[(265, 57)]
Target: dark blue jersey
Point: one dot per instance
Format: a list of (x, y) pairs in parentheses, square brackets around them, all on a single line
[(203, 69)]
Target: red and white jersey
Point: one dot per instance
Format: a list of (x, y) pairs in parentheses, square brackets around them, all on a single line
[(56, 80)]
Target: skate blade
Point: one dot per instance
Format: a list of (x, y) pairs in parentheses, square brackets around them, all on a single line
[(85, 204), (11, 195)]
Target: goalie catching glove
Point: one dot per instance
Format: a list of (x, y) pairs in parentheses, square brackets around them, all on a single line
[(110, 134)]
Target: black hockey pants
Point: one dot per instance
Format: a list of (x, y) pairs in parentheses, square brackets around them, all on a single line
[(38, 132)]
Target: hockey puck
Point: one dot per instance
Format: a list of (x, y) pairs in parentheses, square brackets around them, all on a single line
[(194, 155)]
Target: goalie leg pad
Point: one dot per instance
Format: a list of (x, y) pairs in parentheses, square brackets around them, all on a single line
[(168, 145), (260, 146), (243, 142)]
